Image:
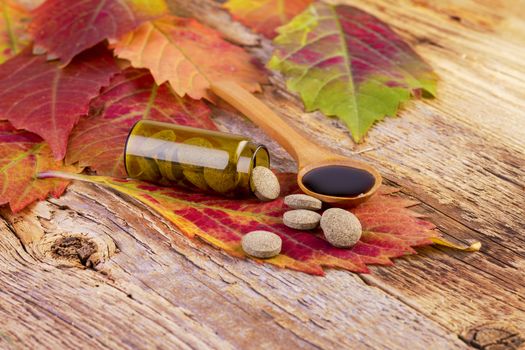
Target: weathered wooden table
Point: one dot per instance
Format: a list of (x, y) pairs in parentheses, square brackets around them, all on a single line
[(95, 269)]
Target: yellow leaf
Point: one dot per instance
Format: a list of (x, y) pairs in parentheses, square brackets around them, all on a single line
[(473, 247), (13, 22), (264, 16)]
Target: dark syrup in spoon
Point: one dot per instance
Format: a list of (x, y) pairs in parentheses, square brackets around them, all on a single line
[(339, 181)]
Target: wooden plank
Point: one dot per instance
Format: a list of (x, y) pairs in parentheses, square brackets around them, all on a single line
[(473, 130), (172, 292), (461, 154)]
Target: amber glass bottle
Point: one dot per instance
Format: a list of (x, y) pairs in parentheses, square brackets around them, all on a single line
[(170, 154)]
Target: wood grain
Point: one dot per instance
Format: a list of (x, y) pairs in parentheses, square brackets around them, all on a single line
[(160, 283), (97, 270)]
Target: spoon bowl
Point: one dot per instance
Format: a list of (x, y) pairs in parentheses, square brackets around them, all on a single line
[(352, 200), (357, 181)]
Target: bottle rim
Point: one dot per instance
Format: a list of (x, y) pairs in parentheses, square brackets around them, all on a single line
[(259, 147), (126, 145)]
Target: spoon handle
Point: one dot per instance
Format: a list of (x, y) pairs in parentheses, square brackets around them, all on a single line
[(301, 149)]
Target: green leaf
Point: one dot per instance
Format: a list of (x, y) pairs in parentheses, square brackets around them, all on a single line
[(349, 64)]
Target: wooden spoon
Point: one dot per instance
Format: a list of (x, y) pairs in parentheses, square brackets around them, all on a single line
[(309, 156)]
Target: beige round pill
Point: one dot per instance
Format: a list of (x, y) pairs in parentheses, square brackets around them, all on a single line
[(261, 244), (265, 184), (302, 201), (301, 219), (341, 228)]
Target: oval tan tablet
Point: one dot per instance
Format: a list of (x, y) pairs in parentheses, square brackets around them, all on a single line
[(302, 201), (265, 184), (341, 228), (261, 244), (301, 219)]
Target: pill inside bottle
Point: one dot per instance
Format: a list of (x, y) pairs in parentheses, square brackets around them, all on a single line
[(204, 160)]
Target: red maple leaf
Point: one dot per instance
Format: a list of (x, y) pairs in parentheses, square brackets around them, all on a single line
[(64, 28), (42, 97)]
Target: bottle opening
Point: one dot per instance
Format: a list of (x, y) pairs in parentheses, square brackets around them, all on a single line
[(260, 157)]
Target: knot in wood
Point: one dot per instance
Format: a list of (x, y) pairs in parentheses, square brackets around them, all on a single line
[(493, 338), (74, 247)]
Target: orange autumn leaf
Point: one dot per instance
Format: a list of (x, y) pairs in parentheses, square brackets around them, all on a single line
[(188, 55), (264, 16), (22, 156), (390, 228)]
